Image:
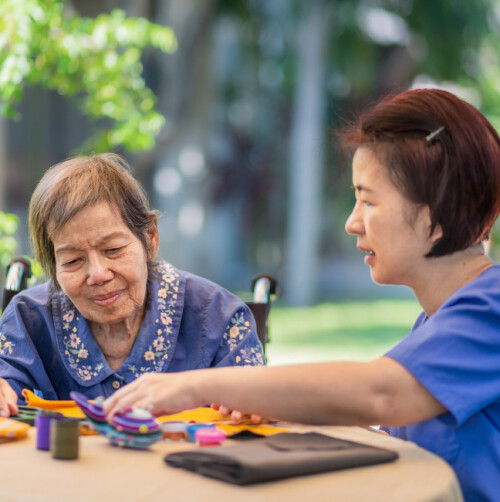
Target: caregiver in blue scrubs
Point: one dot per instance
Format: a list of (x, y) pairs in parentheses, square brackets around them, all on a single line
[(426, 175)]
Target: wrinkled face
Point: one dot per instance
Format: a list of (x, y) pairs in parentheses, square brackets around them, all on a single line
[(102, 266), (392, 231)]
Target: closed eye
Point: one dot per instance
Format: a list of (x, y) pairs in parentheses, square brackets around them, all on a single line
[(71, 262), (112, 251)]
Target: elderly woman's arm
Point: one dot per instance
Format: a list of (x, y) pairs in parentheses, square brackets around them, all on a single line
[(377, 392), (8, 399)]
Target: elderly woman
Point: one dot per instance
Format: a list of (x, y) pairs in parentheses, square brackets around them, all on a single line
[(110, 311), (426, 174)]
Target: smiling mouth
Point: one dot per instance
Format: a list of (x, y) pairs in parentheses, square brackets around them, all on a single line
[(105, 300), (369, 255), (367, 252)]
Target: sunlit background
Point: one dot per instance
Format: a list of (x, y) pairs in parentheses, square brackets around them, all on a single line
[(244, 167)]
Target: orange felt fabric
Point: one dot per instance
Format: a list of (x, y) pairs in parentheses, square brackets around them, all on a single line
[(196, 415)]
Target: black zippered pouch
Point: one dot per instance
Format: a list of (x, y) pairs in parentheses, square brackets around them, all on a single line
[(280, 456)]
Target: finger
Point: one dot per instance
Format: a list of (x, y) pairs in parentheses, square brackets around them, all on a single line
[(125, 402), (111, 401), (256, 419), (13, 409), (121, 395), (8, 400), (7, 408), (224, 411), (112, 404), (236, 416), (4, 410)]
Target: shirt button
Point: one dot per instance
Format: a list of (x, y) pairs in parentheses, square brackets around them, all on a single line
[(116, 384)]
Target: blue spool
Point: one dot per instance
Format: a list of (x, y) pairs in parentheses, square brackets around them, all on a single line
[(191, 430)]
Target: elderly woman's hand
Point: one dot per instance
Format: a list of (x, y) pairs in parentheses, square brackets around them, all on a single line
[(8, 399)]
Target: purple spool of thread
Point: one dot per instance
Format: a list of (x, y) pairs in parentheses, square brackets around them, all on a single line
[(42, 423)]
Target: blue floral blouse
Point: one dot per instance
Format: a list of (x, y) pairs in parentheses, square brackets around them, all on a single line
[(47, 346)]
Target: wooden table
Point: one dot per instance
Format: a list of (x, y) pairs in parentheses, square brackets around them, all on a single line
[(110, 474)]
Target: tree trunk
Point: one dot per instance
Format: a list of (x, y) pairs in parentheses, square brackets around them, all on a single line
[(306, 161)]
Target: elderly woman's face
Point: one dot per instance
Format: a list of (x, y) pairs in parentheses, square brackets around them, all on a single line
[(102, 266)]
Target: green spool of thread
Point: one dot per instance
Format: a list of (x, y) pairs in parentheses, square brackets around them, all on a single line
[(64, 436)]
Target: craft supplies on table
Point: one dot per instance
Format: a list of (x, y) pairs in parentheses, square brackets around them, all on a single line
[(13, 429), (174, 431), (64, 437), (191, 430), (203, 415), (135, 428), (43, 422), (26, 414), (209, 437)]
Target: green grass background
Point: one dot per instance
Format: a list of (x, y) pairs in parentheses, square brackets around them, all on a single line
[(359, 330)]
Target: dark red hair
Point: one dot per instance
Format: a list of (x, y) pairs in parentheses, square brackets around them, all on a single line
[(456, 173)]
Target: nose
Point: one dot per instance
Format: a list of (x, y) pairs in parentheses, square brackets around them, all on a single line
[(98, 272), (354, 223)]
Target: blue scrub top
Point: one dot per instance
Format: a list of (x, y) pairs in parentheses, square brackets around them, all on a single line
[(455, 355), (47, 346)]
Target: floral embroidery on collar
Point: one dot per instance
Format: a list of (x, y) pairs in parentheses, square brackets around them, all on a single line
[(157, 354), (74, 348), (165, 297)]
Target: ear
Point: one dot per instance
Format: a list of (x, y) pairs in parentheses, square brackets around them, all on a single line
[(153, 237), (437, 232), (422, 224)]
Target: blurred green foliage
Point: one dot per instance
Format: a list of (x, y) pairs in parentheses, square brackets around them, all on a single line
[(97, 61), (8, 244)]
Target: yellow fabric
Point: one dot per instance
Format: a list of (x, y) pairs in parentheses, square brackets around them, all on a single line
[(67, 408), (212, 416), (196, 415), (262, 429), (70, 409), (13, 429)]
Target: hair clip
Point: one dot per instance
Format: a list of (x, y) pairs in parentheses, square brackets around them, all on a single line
[(430, 138)]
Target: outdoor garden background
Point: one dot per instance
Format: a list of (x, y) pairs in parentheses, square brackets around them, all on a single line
[(226, 110)]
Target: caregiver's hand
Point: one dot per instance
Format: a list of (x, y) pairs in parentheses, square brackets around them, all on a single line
[(237, 416), (8, 399), (159, 393)]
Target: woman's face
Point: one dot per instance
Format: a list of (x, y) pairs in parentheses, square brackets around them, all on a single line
[(102, 266), (391, 230)]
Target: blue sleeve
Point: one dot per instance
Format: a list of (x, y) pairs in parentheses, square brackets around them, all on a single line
[(217, 329), (240, 345), (24, 340), (455, 353)]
